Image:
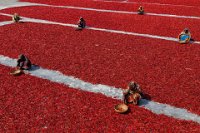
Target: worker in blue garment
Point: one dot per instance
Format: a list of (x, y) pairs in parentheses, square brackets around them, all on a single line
[(185, 36)]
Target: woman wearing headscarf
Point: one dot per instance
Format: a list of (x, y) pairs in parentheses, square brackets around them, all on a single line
[(23, 63)]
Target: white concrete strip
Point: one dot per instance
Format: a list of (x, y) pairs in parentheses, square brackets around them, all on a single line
[(91, 9), (20, 4), (25, 19), (109, 91), (146, 3), (14, 3), (172, 16), (5, 23), (135, 34), (122, 12), (171, 111), (5, 5), (58, 77)]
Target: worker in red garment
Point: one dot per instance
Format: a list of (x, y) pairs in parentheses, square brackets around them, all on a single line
[(140, 10), (23, 63), (81, 23), (132, 94)]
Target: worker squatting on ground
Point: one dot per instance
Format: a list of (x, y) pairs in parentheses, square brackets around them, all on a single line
[(16, 18), (23, 63), (132, 94), (140, 10), (81, 24), (185, 36)]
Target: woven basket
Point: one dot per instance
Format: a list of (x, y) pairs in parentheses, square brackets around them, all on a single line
[(16, 72), (121, 108)]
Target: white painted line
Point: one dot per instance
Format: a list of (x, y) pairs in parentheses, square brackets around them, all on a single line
[(147, 3), (109, 91), (25, 19)]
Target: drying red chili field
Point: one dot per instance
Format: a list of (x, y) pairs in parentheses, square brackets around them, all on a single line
[(4, 18), (30, 104), (166, 70), (156, 8), (126, 22)]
